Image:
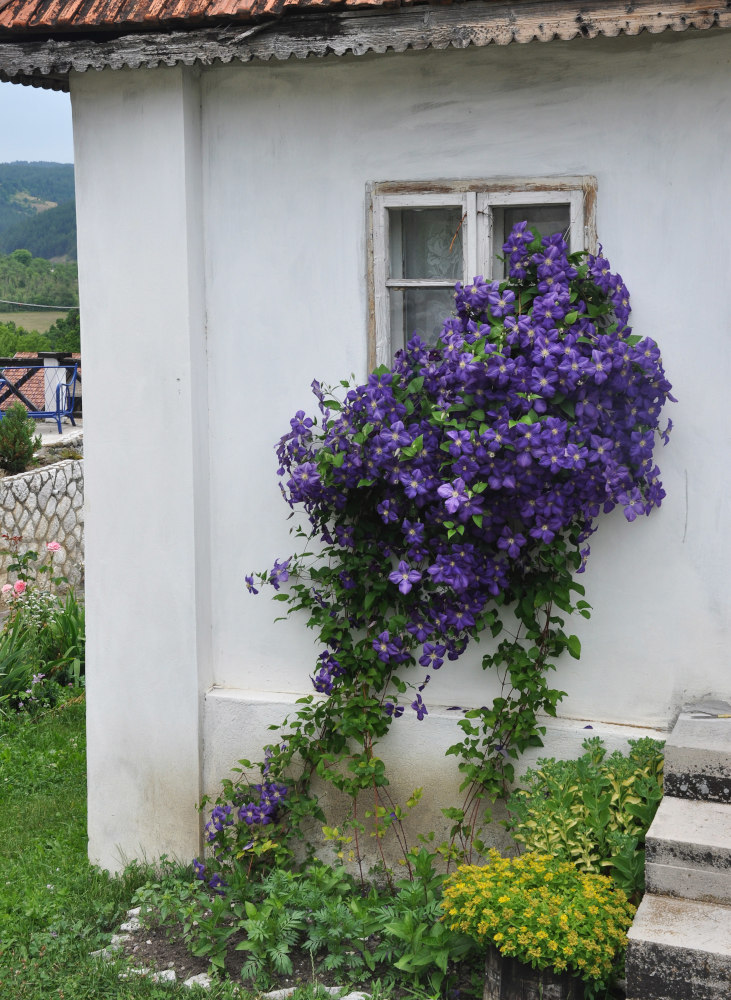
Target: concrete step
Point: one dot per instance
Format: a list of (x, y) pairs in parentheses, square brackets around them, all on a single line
[(679, 949), (698, 754), (688, 851)]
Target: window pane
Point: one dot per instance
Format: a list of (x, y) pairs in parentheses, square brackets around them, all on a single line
[(544, 220), (426, 243), (419, 310)]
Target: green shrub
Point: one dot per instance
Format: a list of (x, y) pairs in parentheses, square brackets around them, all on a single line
[(16, 664), (17, 443), (594, 811)]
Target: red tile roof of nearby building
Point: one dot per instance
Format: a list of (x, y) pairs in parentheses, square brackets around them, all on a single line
[(45, 16)]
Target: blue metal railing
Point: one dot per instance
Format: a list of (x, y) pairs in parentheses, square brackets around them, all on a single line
[(47, 392)]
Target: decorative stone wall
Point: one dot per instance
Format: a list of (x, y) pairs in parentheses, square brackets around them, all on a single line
[(47, 505)]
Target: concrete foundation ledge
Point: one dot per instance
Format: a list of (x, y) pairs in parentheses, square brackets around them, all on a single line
[(236, 725)]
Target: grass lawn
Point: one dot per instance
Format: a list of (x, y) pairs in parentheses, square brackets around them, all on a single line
[(55, 908), (40, 320)]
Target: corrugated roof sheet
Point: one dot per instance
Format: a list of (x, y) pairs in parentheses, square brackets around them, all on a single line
[(45, 16)]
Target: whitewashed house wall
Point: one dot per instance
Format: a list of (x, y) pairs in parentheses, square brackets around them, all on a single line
[(233, 200)]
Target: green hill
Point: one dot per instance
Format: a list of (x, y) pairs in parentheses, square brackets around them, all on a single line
[(28, 279), (49, 234), (37, 209)]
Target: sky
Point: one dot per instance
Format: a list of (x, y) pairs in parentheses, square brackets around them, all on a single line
[(34, 124)]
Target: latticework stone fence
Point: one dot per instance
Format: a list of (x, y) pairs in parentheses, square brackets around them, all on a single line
[(46, 505)]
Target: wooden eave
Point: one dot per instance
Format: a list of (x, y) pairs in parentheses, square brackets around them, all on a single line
[(47, 61)]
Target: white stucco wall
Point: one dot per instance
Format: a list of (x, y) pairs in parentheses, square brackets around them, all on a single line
[(222, 228), (137, 148)]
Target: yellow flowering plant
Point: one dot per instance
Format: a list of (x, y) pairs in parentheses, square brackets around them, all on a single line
[(543, 912)]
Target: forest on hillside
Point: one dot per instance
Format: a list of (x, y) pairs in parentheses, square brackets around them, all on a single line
[(50, 234), (36, 281), (37, 209)]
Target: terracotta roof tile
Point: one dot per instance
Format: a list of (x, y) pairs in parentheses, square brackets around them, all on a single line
[(223, 8), (60, 13), (53, 9), (20, 16)]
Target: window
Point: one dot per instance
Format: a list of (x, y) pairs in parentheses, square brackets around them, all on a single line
[(424, 238)]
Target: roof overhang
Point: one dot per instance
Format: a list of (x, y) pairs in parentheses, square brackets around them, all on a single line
[(47, 62)]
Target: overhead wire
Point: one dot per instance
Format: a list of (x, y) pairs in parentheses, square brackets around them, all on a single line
[(33, 305)]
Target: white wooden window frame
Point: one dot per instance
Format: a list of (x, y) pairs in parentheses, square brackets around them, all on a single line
[(481, 237)]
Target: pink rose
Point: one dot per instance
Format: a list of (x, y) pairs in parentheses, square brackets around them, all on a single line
[(20, 586), (7, 588), (53, 546)]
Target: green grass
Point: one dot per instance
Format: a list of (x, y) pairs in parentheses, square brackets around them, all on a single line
[(55, 908), (40, 320)]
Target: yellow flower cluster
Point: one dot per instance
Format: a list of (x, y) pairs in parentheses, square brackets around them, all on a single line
[(542, 911)]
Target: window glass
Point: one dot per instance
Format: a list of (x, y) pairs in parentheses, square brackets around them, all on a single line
[(426, 243), (423, 241), (419, 310)]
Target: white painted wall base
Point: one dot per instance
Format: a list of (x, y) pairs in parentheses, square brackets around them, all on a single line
[(236, 725)]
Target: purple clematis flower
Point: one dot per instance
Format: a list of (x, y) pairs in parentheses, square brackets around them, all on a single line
[(453, 494), (405, 577)]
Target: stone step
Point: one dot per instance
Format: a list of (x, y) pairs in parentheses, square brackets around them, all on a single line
[(688, 850), (679, 949), (698, 754)]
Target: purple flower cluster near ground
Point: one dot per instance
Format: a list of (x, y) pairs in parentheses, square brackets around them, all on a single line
[(222, 827)]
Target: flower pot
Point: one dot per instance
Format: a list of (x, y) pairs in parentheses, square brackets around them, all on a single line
[(509, 979)]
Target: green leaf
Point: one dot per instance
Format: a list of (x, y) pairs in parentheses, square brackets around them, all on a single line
[(370, 597), (574, 646)]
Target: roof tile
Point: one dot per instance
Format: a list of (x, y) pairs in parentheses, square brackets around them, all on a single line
[(19, 16), (65, 15)]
